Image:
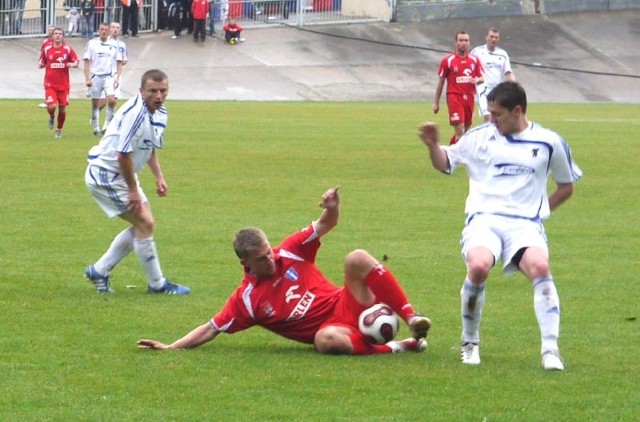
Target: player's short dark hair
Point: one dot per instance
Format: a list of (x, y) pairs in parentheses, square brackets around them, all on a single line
[(509, 95), (154, 75), (247, 239)]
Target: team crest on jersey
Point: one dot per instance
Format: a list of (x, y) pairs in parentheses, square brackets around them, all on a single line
[(291, 274), (267, 308), (534, 152)]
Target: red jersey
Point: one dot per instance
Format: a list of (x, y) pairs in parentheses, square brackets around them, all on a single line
[(55, 59), (200, 9), (460, 72), (293, 303)]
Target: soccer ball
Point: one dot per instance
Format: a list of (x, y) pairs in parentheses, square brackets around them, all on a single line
[(379, 324)]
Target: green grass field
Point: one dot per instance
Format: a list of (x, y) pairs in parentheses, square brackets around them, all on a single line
[(68, 354)]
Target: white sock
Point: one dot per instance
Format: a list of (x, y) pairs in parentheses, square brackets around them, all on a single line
[(472, 300), (95, 116), (110, 112), (120, 247), (547, 307), (148, 256)]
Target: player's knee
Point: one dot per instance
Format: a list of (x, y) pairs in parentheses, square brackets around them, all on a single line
[(538, 268), (478, 268), (332, 341), (359, 261)]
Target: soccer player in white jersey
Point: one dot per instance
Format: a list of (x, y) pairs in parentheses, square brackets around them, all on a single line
[(508, 162), (112, 178), (114, 35), (496, 68), (101, 56)]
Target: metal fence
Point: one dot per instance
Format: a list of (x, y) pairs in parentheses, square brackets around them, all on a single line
[(29, 18)]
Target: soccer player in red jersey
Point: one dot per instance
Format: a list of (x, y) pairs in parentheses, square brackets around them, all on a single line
[(462, 72), (285, 292), (57, 58)]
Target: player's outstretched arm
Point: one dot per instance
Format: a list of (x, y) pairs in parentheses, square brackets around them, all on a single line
[(197, 337), (430, 135)]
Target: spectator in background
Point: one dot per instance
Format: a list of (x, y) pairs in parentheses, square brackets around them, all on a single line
[(19, 10), (212, 17), (199, 11), (176, 13), (5, 20), (187, 16), (232, 32), (462, 72), (98, 16), (87, 9), (130, 14), (73, 22)]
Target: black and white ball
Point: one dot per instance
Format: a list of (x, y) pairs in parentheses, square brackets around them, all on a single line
[(379, 324)]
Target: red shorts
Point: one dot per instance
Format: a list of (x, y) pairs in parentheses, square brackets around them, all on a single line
[(53, 97), (460, 109), (346, 312)]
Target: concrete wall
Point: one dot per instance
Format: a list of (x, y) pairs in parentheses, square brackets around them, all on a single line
[(380, 9), (453, 9)]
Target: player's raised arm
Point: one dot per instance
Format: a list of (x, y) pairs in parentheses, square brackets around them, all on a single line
[(197, 337), (331, 212), (430, 135)]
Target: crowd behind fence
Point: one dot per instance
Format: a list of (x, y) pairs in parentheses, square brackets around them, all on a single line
[(29, 18)]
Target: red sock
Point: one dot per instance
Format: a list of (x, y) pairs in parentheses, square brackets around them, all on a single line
[(363, 347), (387, 289), (62, 116)]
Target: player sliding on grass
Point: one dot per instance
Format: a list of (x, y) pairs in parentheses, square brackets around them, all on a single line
[(508, 161), (285, 292)]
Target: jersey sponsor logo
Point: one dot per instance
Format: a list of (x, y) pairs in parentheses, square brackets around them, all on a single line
[(513, 169), (464, 80), (291, 274), (57, 66), (302, 307), (291, 294)]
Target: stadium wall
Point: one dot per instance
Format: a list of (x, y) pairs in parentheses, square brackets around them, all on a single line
[(418, 11)]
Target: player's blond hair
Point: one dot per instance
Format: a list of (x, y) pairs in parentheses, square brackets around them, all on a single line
[(248, 239)]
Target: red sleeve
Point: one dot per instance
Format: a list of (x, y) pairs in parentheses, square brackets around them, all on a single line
[(234, 315), (304, 243)]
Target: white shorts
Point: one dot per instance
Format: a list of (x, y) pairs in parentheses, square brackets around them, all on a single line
[(109, 189), (503, 236), (481, 99), (100, 84)]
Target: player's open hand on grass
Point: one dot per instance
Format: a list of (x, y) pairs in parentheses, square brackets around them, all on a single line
[(151, 344)]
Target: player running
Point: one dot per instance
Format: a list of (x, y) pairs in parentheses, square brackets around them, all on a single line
[(57, 57)]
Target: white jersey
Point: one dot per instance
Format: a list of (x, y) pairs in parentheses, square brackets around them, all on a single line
[(122, 51), (495, 64), (103, 56), (132, 131), (508, 174)]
